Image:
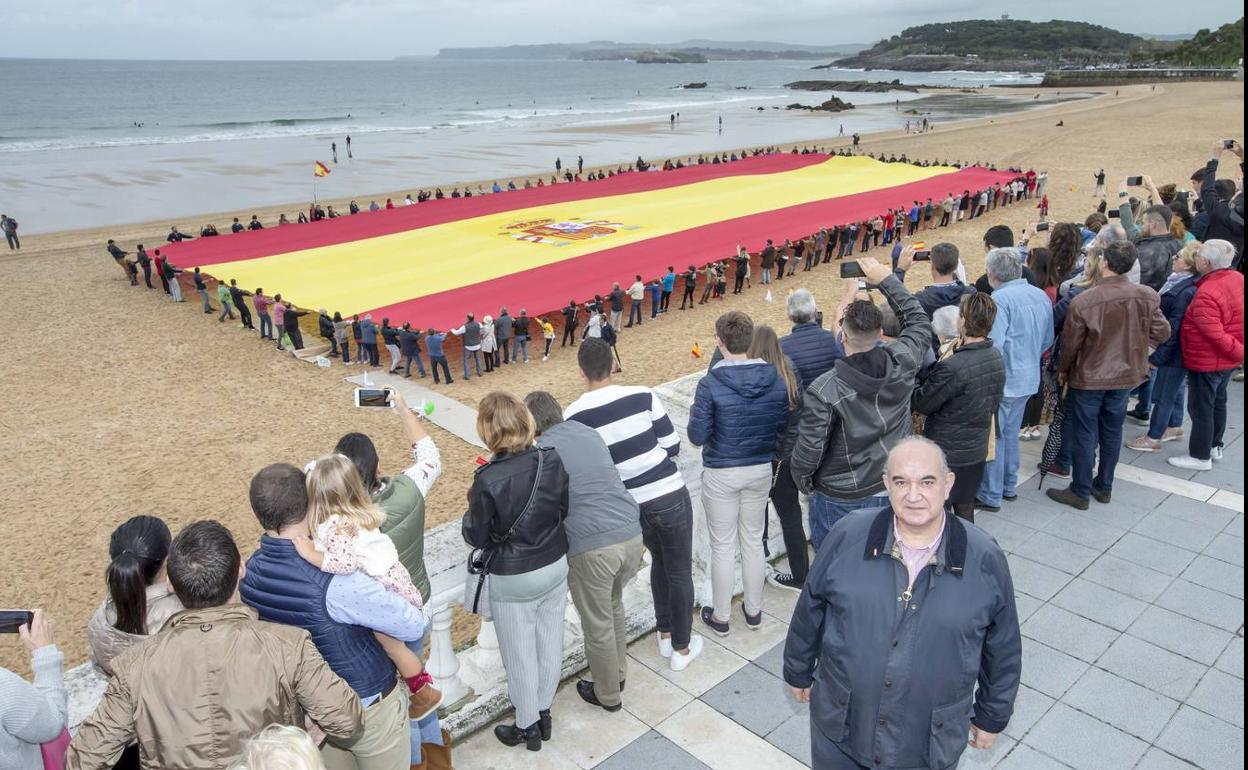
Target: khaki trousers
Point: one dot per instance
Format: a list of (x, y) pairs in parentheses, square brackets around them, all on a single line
[(596, 580), (735, 502), (386, 743)]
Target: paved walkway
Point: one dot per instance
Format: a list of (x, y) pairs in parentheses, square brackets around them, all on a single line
[(1133, 625)]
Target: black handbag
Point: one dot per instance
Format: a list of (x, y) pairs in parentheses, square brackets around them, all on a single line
[(476, 597)]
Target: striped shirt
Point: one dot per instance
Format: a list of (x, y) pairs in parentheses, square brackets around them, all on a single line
[(637, 430)]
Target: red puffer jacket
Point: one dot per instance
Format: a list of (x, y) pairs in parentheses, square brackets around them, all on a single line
[(1213, 328)]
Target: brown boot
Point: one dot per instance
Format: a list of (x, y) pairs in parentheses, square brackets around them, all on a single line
[(437, 757), (424, 702)]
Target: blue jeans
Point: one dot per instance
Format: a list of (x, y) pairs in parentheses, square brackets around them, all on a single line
[(827, 511), (476, 359), (1169, 395), (1001, 475), (634, 311), (346, 352), (1144, 393), (407, 369), (504, 348), (266, 326), (203, 293), (522, 349), (1098, 416)]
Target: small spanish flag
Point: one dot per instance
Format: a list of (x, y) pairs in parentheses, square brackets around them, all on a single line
[(321, 169), (697, 350)]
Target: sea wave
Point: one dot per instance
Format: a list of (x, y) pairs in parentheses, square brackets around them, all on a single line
[(257, 131), (271, 122)]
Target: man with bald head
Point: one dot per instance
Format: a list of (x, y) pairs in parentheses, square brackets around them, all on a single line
[(905, 639)]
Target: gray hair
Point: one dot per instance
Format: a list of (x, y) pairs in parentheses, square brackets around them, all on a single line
[(801, 306), (1217, 252), (945, 322), (1110, 233), (1003, 265)]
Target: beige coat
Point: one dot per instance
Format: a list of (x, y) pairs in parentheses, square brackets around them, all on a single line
[(107, 642), (192, 694)]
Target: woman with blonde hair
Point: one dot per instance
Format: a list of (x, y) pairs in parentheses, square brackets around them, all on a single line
[(346, 533), (1169, 392), (783, 492), (516, 508), (280, 747)]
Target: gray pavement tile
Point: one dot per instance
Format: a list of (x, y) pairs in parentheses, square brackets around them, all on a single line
[(1228, 548), (1023, 757), (1067, 632), (1029, 706), (1203, 604), (1154, 554), (1026, 605), (1138, 495), (1160, 525), (1032, 510), (1232, 659), (1131, 708), (1083, 742), (1150, 666), (1117, 514), (1050, 671), (772, 661), (1085, 529), (1216, 574), (1190, 638), (1008, 534), (792, 737), (1052, 551), (1039, 580), (1221, 695), (1197, 511), (1223, 476), (1127, 577), (1203, 740), (1096, 602), (651, 750), (1235, 527), (754, 699), (1156, 759)]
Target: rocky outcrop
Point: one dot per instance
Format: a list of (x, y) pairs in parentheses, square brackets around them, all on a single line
[(832, 105), (862, 86)]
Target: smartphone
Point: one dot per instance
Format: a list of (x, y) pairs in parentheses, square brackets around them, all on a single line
[(11, 620), (1135, 181), (923, 256), (372, 398), (852, 270), (1228, 143), (819, 318), (1112, 213), (1042, 227)]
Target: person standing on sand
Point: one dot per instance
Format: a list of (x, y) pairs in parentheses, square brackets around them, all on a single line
[(227, 305), (238, 297), (691, 285), (569, 324), (580, 164), (9, 226), (169, 273), (119, 257), (145, 262), (669, 283), (279, 320), (333, 147), (200, 287), (1099, 192), (262, 304), (349, 155), (291, 321)]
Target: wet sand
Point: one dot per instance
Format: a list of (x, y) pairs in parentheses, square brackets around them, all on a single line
[(128, 404)]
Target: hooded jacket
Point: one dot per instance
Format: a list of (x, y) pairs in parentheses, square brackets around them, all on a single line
[(854, 414), (739, 410)]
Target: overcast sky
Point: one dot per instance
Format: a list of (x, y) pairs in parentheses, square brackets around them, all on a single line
[(381, 29)]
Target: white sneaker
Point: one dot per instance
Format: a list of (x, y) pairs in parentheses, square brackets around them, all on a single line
[(1187, 462), (1215, 454), (681, 662), (665, 645)]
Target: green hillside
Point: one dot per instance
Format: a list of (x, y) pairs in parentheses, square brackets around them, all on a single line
[(1223, 47)]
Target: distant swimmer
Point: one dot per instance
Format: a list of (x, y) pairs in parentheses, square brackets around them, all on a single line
[(671, 119), (721, 124)]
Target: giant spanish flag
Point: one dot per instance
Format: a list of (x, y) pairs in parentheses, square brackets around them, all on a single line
[(539, 248)]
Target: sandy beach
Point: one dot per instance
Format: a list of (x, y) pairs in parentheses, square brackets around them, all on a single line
[(156, 408)]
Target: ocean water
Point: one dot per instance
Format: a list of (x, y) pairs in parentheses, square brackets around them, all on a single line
[(99, 143), (63, 104)]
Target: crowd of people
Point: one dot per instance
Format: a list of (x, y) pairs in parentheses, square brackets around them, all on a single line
[(500, 340), (899, 414)]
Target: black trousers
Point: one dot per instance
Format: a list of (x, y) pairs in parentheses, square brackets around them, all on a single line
[(665, 301), (569, 333), (784, 497), (296, 337), (688, 296), (667, 531), (244, 314), (147, 276)]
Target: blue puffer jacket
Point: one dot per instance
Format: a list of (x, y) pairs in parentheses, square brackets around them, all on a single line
[(812, 349), (1174, 306), (738, 412), (285, 589)]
